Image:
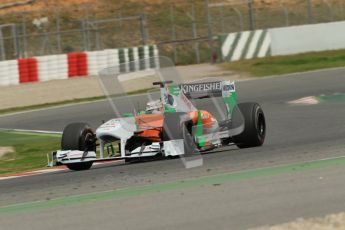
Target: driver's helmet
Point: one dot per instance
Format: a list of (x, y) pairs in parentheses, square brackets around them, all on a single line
[(154, 106)]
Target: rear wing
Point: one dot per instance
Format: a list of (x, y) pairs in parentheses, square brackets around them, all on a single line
[(224, 89), (176, 98)]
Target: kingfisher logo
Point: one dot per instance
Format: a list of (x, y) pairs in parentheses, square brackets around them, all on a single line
[(201, 87)]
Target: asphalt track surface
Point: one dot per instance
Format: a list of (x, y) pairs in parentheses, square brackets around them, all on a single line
[(295, 134)]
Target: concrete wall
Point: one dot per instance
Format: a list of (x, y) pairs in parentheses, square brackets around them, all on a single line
[(307, 38), (283, 41)]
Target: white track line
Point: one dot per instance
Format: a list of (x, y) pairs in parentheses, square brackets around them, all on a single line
[(311, 100), (49, 170), (32, 131)]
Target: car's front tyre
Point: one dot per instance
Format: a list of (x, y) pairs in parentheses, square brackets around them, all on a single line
[(78, 136)]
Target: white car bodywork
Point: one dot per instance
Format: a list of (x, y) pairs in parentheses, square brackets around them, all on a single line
[(124, 128)]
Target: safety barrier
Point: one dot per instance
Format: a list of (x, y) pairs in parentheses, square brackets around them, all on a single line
[(52, 67), (27, 70), (138, 58), (77, 64), (245, 45), (9, 73), (283, 41)]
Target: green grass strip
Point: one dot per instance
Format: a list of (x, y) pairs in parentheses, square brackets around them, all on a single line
[(279, 65), (32, 133), (334, 98), (30, 150), (177, 185)]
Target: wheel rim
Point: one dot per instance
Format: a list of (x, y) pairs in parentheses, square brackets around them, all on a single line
[(89, 141), (261, 125)]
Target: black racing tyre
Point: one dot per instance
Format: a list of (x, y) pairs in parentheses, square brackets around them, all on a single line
[(80, 166), (135, 160), (178, 126), (132, 160), (78, 136), (254, 126), (75, 136)]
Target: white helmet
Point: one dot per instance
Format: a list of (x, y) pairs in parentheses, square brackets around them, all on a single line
[(153, 106)]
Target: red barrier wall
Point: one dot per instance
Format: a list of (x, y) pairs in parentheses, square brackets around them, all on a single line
[(82, 64), (33, 69), (72, 64), (23, 70), (28, 71), (77, 64)]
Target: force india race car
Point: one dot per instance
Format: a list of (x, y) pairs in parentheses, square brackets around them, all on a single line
[(170, 126)]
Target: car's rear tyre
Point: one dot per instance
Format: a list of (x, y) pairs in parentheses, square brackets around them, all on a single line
[(78, 136), (254, 126)]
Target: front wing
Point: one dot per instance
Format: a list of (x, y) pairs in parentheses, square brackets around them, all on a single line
[(169, 148)]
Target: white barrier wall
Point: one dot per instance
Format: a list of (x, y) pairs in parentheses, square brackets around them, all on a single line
[(9, 74), (52, 67), (64, 66), (245, 45), (283, 41), (113, 57), (98, 60), (307, 38)]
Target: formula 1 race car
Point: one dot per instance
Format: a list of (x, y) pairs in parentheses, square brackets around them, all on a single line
[(170, 126)]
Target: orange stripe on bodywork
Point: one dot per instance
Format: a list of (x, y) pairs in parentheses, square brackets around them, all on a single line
[(151, 126)]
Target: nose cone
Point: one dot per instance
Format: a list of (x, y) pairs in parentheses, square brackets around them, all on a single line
[(119, 128)]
